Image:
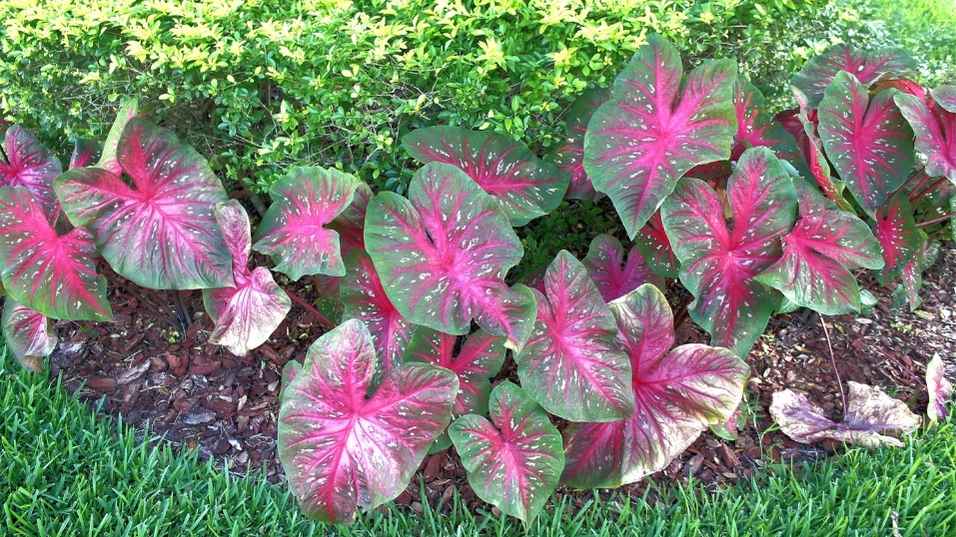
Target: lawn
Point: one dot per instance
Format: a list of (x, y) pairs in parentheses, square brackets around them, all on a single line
[(66, 470)]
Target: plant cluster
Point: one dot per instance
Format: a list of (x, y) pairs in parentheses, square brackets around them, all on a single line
[(754, 213)]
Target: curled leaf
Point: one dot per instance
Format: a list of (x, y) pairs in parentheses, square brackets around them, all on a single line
[(940, 389), (28, 334), (84, 151), (128, 109)]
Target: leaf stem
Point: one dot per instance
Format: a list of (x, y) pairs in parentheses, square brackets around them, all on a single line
[(937, 220), (826, 333), (928, 190), (310, 309)]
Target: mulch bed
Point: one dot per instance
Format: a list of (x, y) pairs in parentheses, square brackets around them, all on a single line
[(154, 367)]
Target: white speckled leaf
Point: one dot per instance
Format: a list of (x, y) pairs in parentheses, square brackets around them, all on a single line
[(940, 389), (28, 334)]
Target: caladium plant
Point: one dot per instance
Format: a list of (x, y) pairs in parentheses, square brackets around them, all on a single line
[(719, 262), (569, 156), (526, 186), (870, 415), (109, 160), (442, 255), (158, 230), (940, 389), (654, 245), (573, 364), (678, 393), (804, 121), (819, 253), (296, 228), (514, 461), (934, 123), (346, 444), (28, 334), (614, 274), (247, 314), (84, 153), (52, 273), (656, 126), (30, 165), (899, 237), (867, 66), (867, 139)]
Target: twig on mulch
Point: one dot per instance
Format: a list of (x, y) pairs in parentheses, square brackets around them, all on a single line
[(310, 309), (826, 332)]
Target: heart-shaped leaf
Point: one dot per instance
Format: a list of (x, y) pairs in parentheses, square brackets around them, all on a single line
[(935, 128), (158, 231), (613, 274), (30, 165), (867, 66), (364, 298), (569, 156), (940, 389), (51, 273), (479, 358), (28, 334), (573, 364), (719, 262), (347, 445), (247, 314), (656, 249), (109, 161), (867, 139), (657, 126), (443, 253), (513, 461), (869, 416), (818, 255), (296, 229), (526, 186), (678, 393), (899, 237)]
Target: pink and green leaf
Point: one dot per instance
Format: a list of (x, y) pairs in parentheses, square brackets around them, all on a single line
[(30, 165), (158, 229), (654, 245), (867, 66), (678, 394), (900, 239), (867, 139), (364, 298), (656, 127), (476, 362), (247, 314), (514, 461), (296, 229), (350, 224), (51, 273), (347, 445), (84, 153), (935, 128), (814, 163), (569, 156), (911, 279), (443, 253), (756, 126), (719, 263), (526, 186), (940, 389), (819, 253), (28, 334), (573, 365), (612, 273), (109, 161), (945, 97)]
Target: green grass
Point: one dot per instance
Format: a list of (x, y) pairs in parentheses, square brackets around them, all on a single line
[(66, 471)]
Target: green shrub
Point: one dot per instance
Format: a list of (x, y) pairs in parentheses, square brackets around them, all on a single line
[(263, 84)]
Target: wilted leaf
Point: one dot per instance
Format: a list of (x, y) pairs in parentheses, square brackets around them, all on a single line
[(940, 389), (28, 334)]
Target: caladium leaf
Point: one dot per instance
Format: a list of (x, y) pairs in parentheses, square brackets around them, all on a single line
[(514, 461), (109, 160), (678, 393), (84, 152), (945, 97), (573, 364), (443, 253), (870, 415), (613, 274), (654, 245), (28, 334), (656, 127), (479, 358), (867, 139), (940, 389), (867, 66), (719, 262), (818, 255), (350, 225), (911, 279), (526, 186), (296, 230), (817, 166), (347, 445), (899, 237), (48, 272), (30, 165), (569, 156), (756, 126), (364, 298), (247, 314), (157, 231), (935, 128)]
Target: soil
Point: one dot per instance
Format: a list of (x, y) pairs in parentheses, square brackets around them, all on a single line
[(154, 367)]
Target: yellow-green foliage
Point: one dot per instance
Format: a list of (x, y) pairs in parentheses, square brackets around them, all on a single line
[(260, 84)]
